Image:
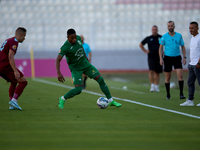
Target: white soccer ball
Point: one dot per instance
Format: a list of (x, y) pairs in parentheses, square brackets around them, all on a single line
[(102, 102)]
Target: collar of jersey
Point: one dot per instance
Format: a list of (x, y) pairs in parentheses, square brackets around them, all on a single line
[(15, 39), (69, 42), (172, 36)]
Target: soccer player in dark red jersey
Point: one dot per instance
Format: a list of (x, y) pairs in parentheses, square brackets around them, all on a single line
[(8, 69)]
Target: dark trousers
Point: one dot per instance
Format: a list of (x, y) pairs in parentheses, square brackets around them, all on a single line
[(194, 74)]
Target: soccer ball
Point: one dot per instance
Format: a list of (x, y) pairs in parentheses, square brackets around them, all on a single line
[(102, 102)]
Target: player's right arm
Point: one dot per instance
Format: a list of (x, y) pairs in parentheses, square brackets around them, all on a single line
[(12, 63), (162, 43), (141, 45), (90, 56), (143, 49), (59, 74)]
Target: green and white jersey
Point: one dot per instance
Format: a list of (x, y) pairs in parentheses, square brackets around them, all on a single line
[(74, 54)]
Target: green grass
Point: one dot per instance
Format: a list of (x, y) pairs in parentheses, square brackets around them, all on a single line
[(82, 125)]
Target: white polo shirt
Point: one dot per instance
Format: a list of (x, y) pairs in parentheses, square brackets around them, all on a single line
[(194, 49)]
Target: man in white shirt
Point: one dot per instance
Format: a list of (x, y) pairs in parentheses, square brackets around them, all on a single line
[(194, 65)]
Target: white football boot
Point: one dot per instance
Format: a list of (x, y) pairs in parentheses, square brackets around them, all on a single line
[(156, 89), (152, 89)]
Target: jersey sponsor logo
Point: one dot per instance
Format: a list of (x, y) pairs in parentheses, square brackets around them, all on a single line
[(93, 72), (59, 50), (79, 53), (151, 39), (71, 47), (14, 47)]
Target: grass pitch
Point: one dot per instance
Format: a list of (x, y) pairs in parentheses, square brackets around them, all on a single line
[(82, 125)]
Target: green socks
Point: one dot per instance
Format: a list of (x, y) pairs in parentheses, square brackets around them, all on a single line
[(104, 87)]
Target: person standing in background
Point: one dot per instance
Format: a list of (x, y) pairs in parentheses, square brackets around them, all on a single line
[(153, 58), (194, 65), (88, 54), (172, 41)]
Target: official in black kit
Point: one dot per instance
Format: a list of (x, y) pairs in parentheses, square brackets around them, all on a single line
[(153, 58)]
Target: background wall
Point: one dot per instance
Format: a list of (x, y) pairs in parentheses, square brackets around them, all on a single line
[(105, 61), (112, 28)]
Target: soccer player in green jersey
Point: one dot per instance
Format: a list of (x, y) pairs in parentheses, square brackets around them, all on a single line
[(78, 64)]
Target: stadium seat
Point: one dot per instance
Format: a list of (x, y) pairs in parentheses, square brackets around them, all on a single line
[(133, 18)]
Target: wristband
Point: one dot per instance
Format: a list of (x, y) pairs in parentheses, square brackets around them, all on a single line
[(185, 57), (198, 63)]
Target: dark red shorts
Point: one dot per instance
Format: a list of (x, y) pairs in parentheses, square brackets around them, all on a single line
[(7, 72)]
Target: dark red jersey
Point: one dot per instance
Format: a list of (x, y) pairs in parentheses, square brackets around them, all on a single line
[(9, 44)]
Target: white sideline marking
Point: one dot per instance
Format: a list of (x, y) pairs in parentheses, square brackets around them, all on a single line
[(126, 100), (113, 87)]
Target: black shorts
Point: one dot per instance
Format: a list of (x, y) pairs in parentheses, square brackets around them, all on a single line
[(154, 65), (172, 61)]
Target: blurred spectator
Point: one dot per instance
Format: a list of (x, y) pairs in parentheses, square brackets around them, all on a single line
[(194, 65), (88, 53), (153, 58)]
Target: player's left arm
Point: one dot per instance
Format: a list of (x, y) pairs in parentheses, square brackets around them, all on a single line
[(198, 63), (90, 56), (85, 55), (59, 74), (184, 54), (12, 63)]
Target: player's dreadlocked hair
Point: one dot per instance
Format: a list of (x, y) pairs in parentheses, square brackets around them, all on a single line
[(71, 31)]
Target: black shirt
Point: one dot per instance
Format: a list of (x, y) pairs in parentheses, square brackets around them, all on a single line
[(153, 45)]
